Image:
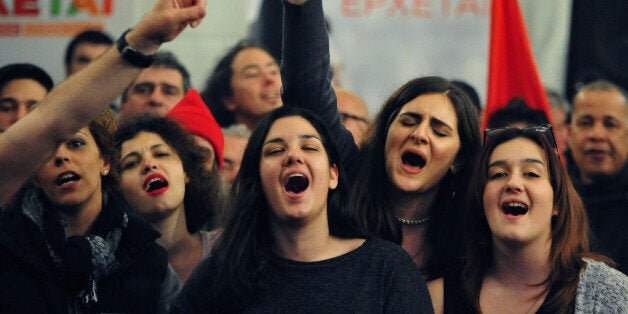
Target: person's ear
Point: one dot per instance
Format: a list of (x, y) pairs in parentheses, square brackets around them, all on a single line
[(230, 105), (333, 177)]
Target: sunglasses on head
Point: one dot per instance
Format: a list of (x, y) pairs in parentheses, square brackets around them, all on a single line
[(543, 129)]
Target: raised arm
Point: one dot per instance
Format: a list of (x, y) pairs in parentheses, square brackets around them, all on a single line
[(306, 70), (79, 99)]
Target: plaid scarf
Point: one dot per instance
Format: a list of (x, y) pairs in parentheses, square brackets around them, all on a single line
[(83, 260)]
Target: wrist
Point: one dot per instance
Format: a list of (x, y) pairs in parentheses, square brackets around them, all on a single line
[(133, 54)]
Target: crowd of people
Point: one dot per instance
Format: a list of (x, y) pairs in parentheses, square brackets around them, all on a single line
[(272, 189)]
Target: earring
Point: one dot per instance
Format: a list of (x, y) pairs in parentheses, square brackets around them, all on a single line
[(105, 172)]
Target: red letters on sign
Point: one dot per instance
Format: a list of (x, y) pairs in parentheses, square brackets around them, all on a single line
[(21, 8), (423, 9)]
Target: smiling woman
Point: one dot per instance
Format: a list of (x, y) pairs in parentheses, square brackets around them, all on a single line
[(289, 242), (526, 234)]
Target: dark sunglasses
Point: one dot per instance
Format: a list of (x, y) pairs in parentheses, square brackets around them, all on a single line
[(543, 129)]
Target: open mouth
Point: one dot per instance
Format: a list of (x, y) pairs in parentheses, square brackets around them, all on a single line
[(67, 177), (515, 209), (155, 183), (596, 152), (270, 95), (413, 159), (296, 183)]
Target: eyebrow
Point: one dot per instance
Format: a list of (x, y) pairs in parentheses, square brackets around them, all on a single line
[(419, 116), (136, 153), (525, 161), (302, 136), (255, 66), (81, 133), (153, 85)]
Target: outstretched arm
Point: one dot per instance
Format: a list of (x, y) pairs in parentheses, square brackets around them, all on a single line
[(79, 99), (306, 70)]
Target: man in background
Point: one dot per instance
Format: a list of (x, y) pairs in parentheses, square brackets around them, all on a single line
[(85, 48), (236, 139), (22, 85), (598, 144), (157, 89), (353, 114)]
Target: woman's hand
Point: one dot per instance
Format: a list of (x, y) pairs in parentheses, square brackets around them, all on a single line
[(164, 22)]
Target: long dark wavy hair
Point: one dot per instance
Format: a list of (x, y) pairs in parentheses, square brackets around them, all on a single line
[(569, 228), (371, 197), (234, 272), (202, 199), (218, 85)]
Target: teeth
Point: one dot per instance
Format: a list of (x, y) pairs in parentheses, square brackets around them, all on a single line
[(68, 177), (515, 208), (155, 183), (296, 183)]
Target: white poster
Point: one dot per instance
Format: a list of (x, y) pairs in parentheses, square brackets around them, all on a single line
[(384, 43), (37, 31)]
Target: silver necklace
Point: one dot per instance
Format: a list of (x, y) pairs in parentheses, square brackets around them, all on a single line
[(413, 222)]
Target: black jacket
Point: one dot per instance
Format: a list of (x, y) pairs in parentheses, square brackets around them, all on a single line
[(31, 283), (606, 204)]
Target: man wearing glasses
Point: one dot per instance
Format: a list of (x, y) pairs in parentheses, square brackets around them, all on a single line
[(353, 114)]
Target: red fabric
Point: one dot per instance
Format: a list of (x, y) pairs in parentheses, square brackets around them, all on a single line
[(512, 71), (193, 115)]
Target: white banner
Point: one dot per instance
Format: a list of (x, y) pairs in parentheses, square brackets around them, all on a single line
[(384, 43), (37, 31)]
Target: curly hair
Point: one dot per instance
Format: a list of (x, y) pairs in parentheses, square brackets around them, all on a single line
[(202, 198), (102, 129)]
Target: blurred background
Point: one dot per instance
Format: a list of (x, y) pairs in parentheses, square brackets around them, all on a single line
[(378, 44)]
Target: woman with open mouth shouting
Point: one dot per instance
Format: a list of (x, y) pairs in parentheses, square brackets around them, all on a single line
[(68, 241), (414, 165), (163, 175), (526, 234), (88, 251), (289, 244)]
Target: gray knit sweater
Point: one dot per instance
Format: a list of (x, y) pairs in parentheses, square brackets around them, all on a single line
[(602, 289)]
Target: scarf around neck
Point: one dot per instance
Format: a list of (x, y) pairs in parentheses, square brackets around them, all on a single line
[(85, 259)]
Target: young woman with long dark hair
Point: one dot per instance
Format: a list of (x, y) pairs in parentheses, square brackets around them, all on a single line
[(526, 235), (289, 243)]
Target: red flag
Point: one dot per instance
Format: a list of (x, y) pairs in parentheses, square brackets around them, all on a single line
[(512, 71)]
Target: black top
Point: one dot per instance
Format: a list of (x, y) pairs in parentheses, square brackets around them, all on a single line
[(377, 277), (606, 204), (31, 283)]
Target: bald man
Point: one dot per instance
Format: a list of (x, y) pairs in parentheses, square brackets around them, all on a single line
[(353, 114)]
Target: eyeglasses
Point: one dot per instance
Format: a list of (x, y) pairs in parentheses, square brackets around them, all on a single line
[(346, 116), (543, 129)]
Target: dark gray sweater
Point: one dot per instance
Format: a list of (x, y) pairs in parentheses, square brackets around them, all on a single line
[(377, 277)]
